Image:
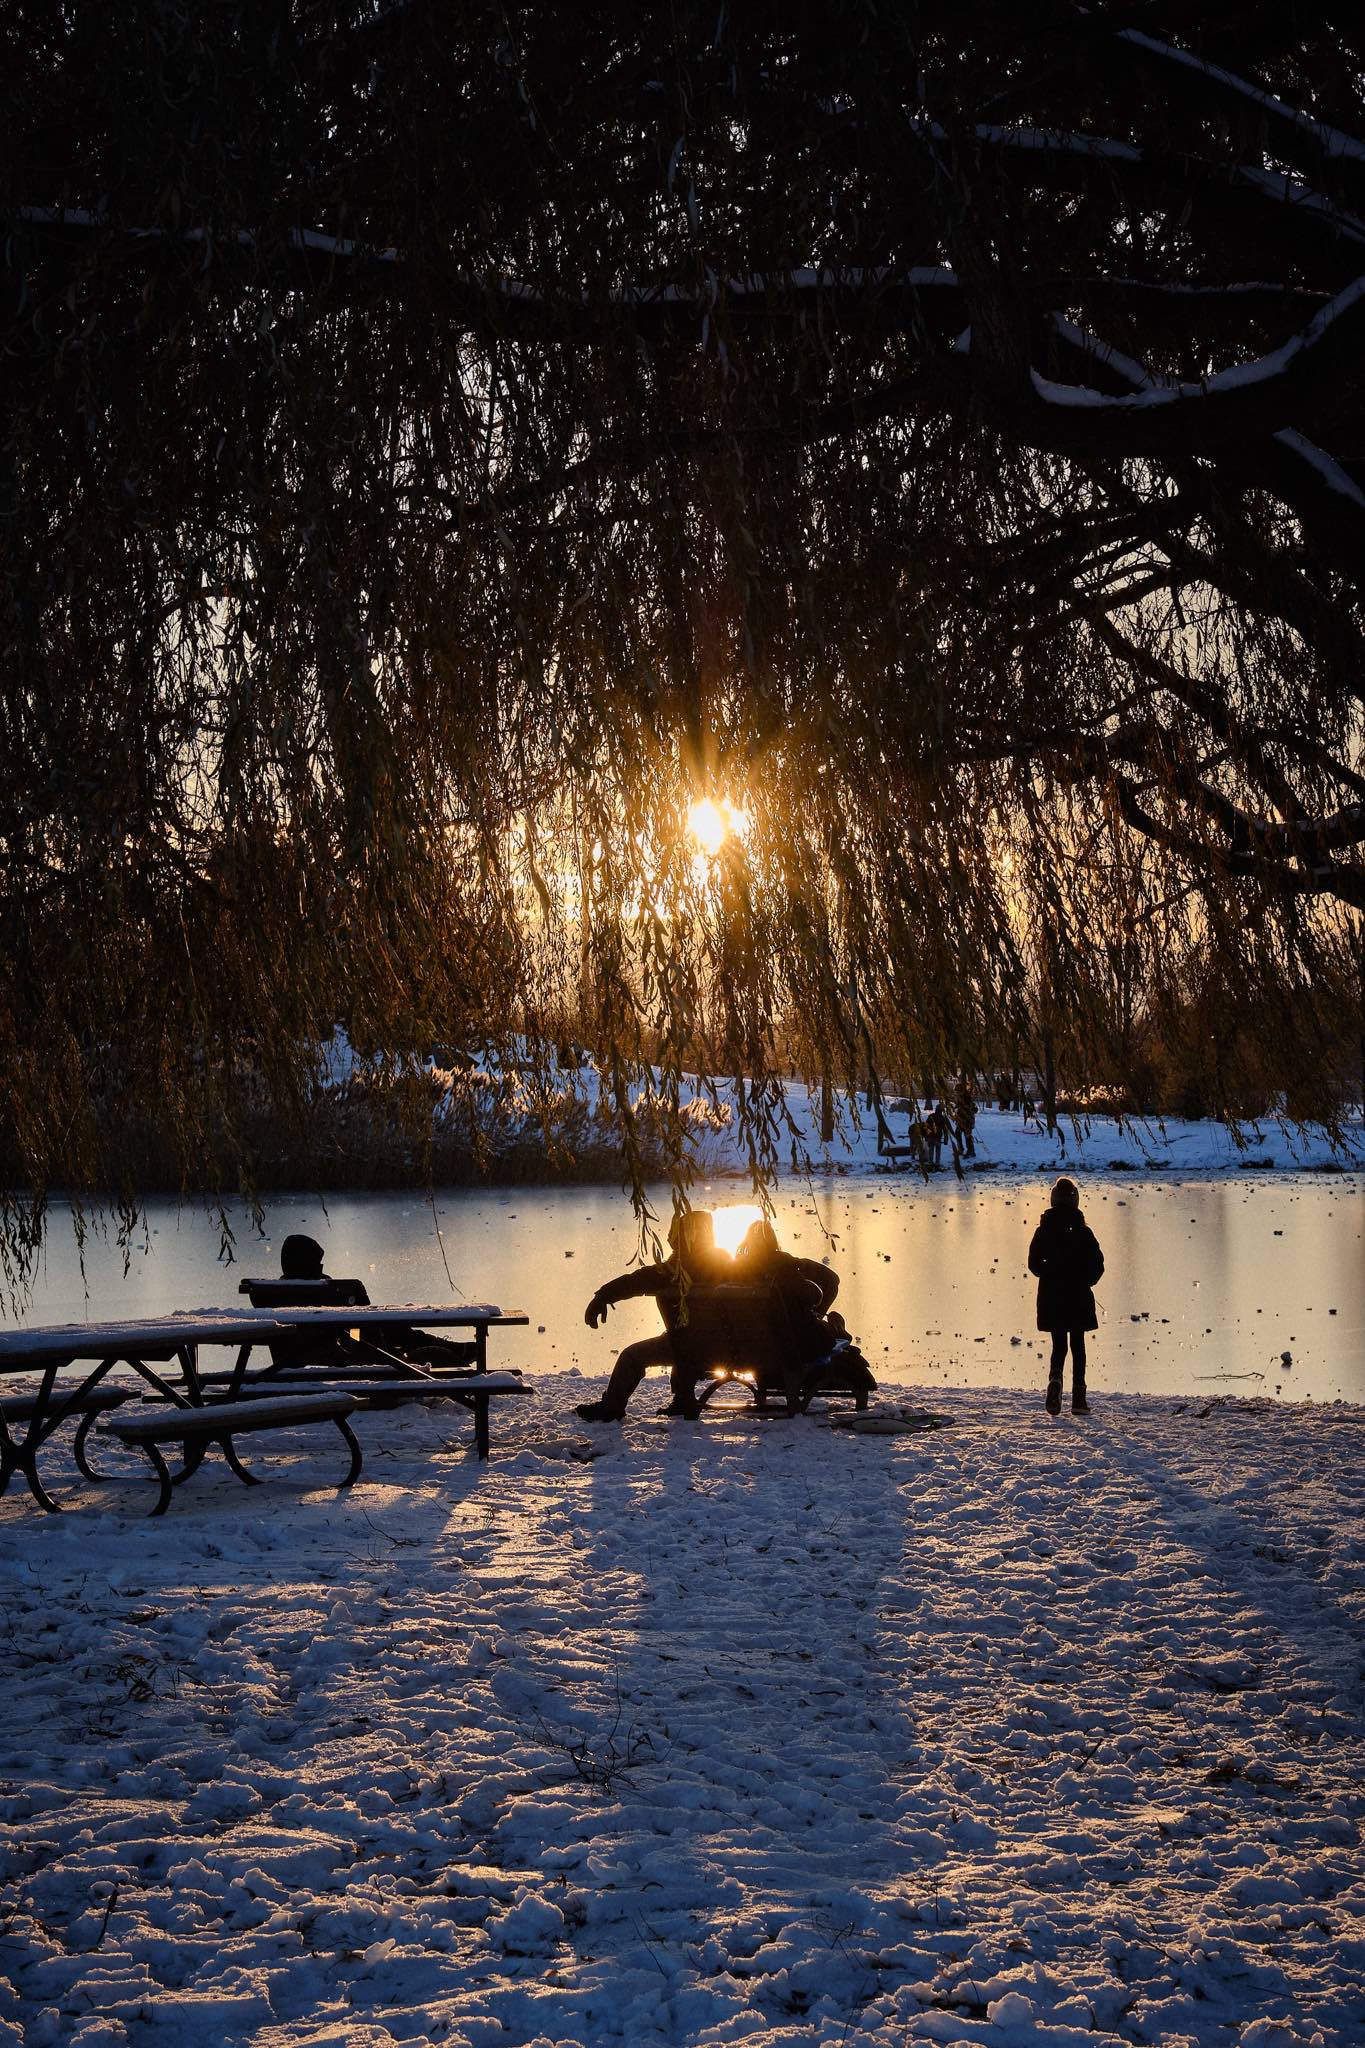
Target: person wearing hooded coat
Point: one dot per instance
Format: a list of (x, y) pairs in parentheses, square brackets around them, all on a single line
[(814, 1327), (301, 1258), (807, 1287), (1067, 1259), (694, 1259)]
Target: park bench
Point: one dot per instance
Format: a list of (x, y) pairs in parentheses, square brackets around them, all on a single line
[(218, 1422), (914, 1152), (743, 1334)]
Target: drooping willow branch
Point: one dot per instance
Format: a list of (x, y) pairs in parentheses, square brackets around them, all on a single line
[(438, 446)]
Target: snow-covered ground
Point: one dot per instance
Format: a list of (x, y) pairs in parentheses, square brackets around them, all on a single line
[(1017, 1732)]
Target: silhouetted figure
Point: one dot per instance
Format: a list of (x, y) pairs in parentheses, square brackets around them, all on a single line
[(301, 1258), (811, 1327), (936, 1129), (1066, 1256), (806, 1286), (964, 1117), (694, 1260)]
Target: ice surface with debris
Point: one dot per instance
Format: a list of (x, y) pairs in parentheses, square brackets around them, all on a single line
[(1019, 1732)]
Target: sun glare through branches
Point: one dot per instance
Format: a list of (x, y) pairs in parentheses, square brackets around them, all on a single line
[(712, 821)]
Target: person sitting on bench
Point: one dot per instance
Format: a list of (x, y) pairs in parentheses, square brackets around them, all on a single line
[(301, 1259), (301, 1262), (694, 1260), (806, 1286), (303, 1284)]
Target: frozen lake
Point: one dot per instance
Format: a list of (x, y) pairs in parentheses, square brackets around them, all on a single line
[(1207, 1283)]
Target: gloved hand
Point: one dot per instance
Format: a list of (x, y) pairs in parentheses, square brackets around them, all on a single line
[(596, 1311)]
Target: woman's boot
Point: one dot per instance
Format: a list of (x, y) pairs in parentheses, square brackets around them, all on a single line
[(1079, 1404), (1054, 1391)]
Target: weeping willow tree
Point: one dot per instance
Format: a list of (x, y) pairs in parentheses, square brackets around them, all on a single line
[(442, 444)]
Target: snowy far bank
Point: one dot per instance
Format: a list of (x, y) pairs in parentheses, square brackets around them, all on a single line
[(504, 1114), (1171, 1148), (1016, 1733)]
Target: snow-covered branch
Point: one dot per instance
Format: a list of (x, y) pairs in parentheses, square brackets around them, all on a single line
[(1337, 323), (1331, 142)]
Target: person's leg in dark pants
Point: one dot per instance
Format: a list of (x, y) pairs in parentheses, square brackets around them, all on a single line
[(1079, 1404), (626, 1375), (683, 1388), (1054, 1372)]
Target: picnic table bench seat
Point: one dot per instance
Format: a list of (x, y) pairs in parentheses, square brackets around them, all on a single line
[(218, 1422), (901, 1155), (470, 1390), (50, 1412)]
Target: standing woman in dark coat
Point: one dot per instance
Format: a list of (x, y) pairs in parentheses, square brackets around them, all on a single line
[(1068, 1261)]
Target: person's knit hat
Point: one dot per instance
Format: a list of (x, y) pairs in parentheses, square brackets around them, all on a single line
[(300, 1259)]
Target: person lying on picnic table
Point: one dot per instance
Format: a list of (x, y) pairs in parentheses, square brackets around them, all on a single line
[(301, 1258), (695, 1260)]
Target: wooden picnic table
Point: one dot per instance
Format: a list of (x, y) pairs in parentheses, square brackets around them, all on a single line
[(366, 1326)]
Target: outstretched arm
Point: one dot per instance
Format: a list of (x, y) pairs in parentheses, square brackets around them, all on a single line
[(643, 1280)]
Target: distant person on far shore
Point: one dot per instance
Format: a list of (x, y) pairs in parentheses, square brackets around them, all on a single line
[(1067, 1259), (964, 1119), (694, 1259)]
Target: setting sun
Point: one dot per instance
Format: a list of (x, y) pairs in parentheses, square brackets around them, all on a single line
[(712, 823)]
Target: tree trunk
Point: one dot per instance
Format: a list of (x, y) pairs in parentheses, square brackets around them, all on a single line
[(1049, 1084), (826, 1108)]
